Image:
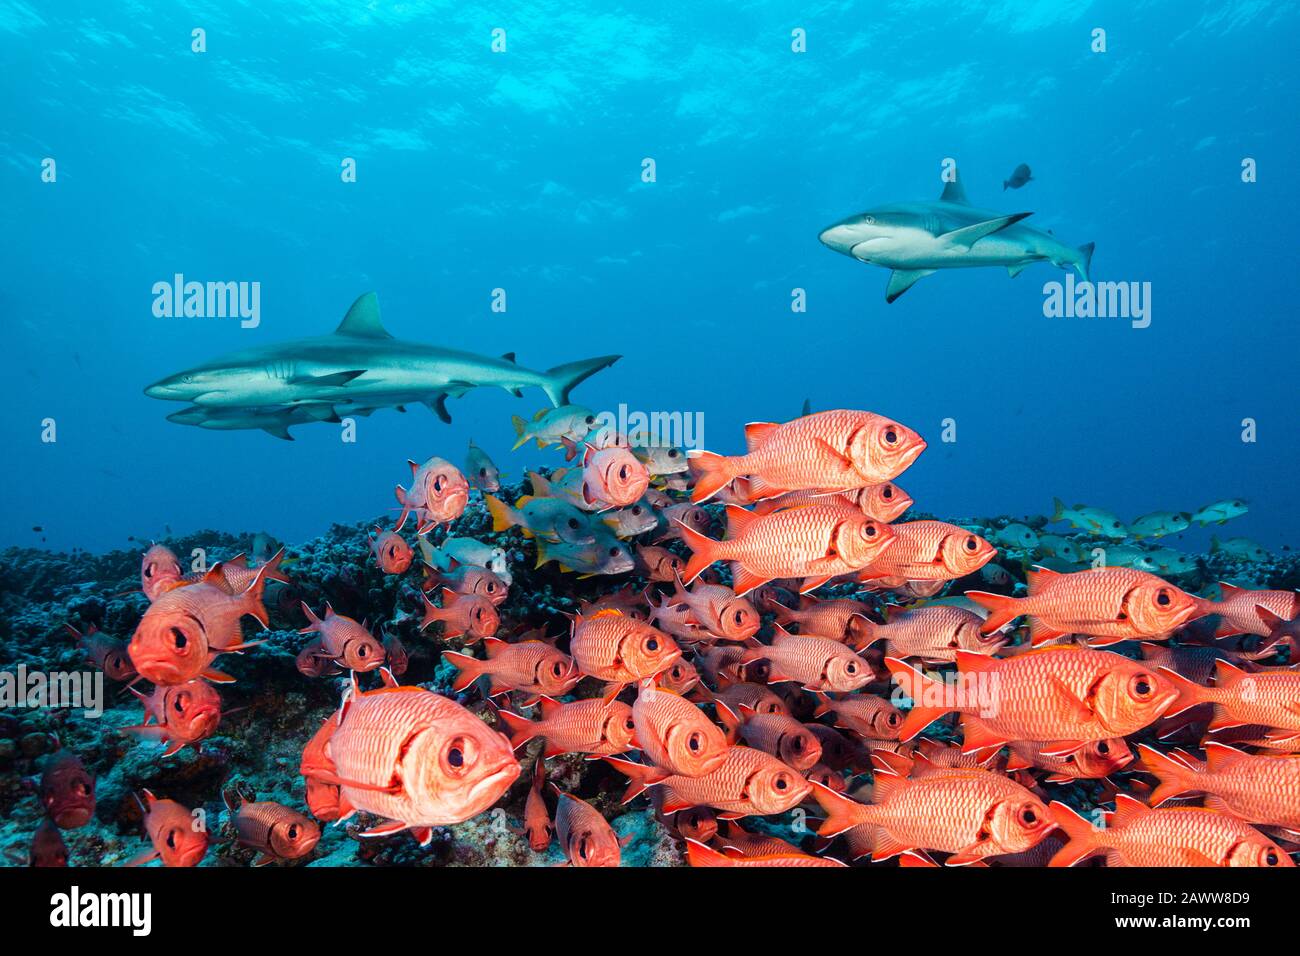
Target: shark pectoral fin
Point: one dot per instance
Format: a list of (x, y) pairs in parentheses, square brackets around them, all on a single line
[(279, 431), (1084, 265), (967, 236), (1016, 269), (900, 280), (334, 378), (439, 406)]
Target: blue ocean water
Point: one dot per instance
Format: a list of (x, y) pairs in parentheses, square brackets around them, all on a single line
[(522, 170)]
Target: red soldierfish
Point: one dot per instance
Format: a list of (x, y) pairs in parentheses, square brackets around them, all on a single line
[(391, 551), (67, 791), (439, 493), (106, 653), (1107, 604), (177, 837), (343, 640), (585, 835), (972, 814), (414, 757), (590, 726), (618, 649), (748, 782), (613, 477), (1237, 614), (930, 551), (816, 542), (271, 828), (816, 663), (1065, 696), (534, 667), (186, 627), (183, 714), (537, 819), (462, 615), (159, 571), (832, 451), (1269, 698), (1136, 835), (674, 734)]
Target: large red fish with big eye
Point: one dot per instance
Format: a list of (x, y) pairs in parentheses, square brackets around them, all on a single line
[(438, 495), (413, 757), (67, 791), (838, 450)]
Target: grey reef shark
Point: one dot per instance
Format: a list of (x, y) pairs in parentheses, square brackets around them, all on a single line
[(356, 370), (917, 239)]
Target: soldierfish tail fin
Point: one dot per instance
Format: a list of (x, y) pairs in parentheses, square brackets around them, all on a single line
[(712, 473), (1175, 776), (784, 616), (842, 813), (703, 552), (502, 515), (1002, 609), (521, 728), (313, 622), (640, 776), (1084, 263), (1190, 693), (272, 568), (471, 669), (1082, 835), (251, 599), (400, 494), (915, 685), (559, 381)]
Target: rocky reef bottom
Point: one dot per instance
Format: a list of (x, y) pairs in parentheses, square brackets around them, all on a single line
[(272, 709)]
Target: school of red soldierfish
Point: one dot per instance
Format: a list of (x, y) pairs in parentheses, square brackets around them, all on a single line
[(673, 688)]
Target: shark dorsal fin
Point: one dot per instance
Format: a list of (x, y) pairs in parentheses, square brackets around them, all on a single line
[(954, 191), (362, 320)]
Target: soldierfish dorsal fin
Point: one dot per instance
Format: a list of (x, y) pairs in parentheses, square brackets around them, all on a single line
[(362, 320)]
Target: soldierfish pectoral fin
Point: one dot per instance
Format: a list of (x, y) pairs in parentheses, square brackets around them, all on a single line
[(900, 280), (967, 236)]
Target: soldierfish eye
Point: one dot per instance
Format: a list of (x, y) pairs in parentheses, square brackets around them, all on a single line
[(891, 437), (887, 493)]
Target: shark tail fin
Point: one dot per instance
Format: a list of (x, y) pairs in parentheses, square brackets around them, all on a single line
[(559, 381), (1084, 265)]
